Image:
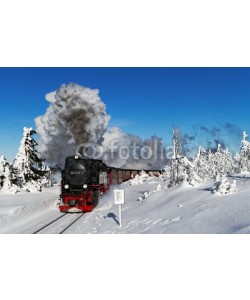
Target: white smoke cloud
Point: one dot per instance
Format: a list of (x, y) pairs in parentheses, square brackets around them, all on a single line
[(76, 121), (130, 151), (76, 115)]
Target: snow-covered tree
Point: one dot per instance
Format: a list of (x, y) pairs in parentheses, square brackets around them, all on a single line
[(7, 177), (222, 161), (28, 166), (181, 168), (182, 171), (165, 174), (205, 165), (202, 164), (209, 164), (244, 154), (236, 163), (223, 186), (177, 172)]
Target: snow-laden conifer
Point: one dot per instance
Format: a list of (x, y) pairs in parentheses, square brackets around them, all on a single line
[(222, 161), (223, 186), (7, 177), (244, 154), (205, 165), (202, 165), (30, 172), (181, 169)]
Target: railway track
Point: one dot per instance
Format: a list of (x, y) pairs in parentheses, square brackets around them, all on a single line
[(61, 227)]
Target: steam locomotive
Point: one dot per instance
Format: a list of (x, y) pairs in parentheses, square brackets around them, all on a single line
[(83, 180)]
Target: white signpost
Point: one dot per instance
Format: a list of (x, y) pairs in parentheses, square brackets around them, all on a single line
[(120, 200)]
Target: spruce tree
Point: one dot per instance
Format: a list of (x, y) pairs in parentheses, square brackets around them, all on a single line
[(181, 168), (222, 161), (7, 177), (244, 153), (201, 164), (28, 166)]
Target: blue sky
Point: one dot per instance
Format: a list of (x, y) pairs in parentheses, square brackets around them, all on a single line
[(142, 101)]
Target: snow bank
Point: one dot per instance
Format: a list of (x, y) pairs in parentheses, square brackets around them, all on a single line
[(139, 178), (142, 177), (145, 196), (10, 189), (17, 208)]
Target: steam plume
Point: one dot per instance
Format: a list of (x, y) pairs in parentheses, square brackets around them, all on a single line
[(76, 115), (77, 118)]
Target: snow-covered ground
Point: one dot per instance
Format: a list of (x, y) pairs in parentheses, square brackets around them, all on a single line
[(149, 208), (17, 210)]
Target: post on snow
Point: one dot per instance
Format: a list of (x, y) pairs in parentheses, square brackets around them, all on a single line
[(120, 200)]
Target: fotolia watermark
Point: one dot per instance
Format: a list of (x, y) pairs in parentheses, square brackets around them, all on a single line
[(154, 151)]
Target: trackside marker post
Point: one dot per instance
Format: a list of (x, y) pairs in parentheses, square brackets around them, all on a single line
[(120, 200)]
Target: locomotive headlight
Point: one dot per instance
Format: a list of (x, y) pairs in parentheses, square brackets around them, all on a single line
[(85, 186), (66, 186)]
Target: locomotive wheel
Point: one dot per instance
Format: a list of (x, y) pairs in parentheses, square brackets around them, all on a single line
[(95, 197)]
